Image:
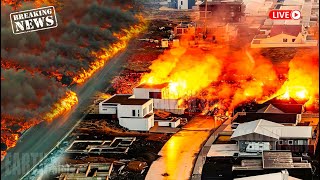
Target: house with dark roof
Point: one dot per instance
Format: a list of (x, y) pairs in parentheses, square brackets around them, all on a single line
[(134, 114), (286, 114), (283, 36)]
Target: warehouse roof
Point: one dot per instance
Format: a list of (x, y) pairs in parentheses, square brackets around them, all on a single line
[(124, 99)]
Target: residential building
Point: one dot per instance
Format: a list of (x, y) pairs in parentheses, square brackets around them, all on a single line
[(273, 162), (283, 175), (286, 114), (283, 36), (298, 139), (185, 28), (134, 114), (160, 93), (229, 11), (181, 4)]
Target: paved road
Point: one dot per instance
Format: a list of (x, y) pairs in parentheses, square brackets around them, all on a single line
[(201, 159), (180, 151), (42, 138)]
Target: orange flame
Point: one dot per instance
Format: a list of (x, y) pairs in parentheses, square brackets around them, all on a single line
[(63, 105), (115, 48)]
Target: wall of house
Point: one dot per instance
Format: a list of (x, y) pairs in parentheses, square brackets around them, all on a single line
[(143, 93), (137, 124), (169, 123), (278, 41), (244, 143), (182, 4), (127, 110), (107, 109)]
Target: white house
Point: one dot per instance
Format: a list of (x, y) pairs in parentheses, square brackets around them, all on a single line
[(283, 36), (280, 137), (134, 114), (159, 94)]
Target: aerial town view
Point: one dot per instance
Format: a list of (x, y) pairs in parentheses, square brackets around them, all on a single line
[(159, 89)]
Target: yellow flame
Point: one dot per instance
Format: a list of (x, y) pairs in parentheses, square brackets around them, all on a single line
[(115, 48), (63, 105)]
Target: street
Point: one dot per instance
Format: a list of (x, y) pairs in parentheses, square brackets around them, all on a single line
[(180, 152), (42, 138)]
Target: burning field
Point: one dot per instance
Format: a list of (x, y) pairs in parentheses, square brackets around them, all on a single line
[(37, 68), (224, 79)]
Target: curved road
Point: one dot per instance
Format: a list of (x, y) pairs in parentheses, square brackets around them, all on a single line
[(179, 153), (42, 138)]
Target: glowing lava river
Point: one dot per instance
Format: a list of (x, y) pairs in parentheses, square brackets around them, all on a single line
[(42, 138)]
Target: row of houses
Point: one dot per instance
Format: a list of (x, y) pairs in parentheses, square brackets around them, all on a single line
[(289, 33), (272, 140)]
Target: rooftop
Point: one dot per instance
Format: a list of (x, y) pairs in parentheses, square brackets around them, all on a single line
[(213, 2), (292, 30), (272, 130), (280, 160), (282, 118), (124, 99), (222, 150), (273, 176)]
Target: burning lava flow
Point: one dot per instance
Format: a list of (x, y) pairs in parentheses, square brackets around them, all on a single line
[(230, 78), (63, 105), (37, 67), (114, 49)]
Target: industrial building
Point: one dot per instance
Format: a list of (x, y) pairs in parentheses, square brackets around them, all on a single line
[(134, 114)]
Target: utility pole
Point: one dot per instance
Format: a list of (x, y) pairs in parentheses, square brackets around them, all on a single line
[(205, 18)]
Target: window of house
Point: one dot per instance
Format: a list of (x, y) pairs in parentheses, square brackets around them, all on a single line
[(285, 40), (181, 2), (133, 112), (290, 142), (144, 111), (293, 40), (150, 107), (300, 142), (280, 142), (138, 113), (155, 95)]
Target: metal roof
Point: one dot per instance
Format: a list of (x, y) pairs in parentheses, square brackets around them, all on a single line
[(272, 130)]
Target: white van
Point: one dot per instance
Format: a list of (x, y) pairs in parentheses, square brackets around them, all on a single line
[(258, 147)]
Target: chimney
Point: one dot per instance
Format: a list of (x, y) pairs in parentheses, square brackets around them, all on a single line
[(284, 174)]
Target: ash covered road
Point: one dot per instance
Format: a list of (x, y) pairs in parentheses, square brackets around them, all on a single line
[(42, 138)]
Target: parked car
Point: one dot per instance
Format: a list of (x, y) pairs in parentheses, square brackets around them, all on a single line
[(234, 125)]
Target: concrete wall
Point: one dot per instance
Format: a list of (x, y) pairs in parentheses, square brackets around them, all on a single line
[(126, 110), (277, 41), (137, 124), (169, 124), (143, 93), (165, 103), (105, 109)]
